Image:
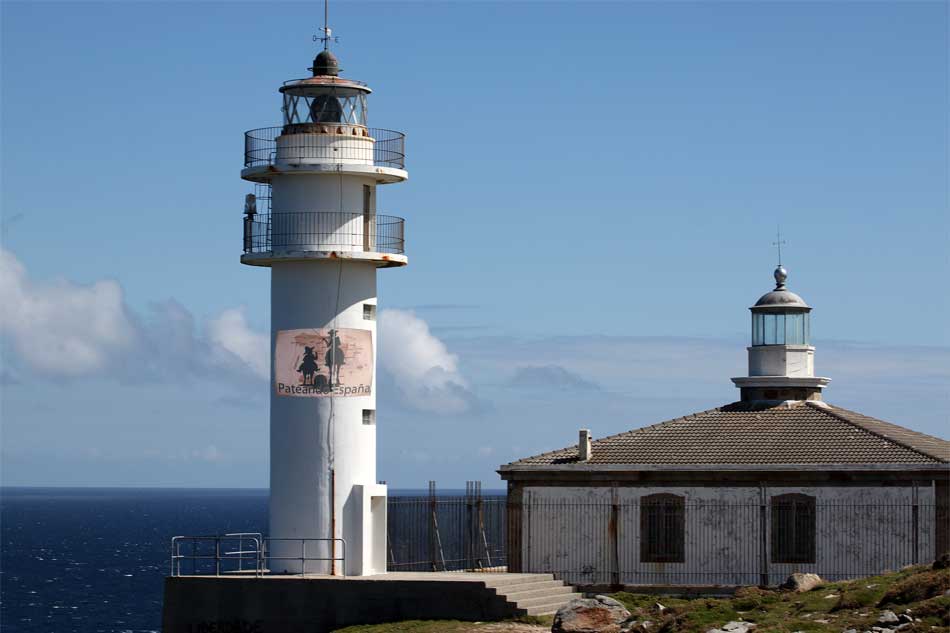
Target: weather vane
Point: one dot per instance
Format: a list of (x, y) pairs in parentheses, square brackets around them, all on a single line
[(327, 36), (778, 243)]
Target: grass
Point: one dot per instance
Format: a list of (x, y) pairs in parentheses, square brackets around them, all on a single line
[(444, 626), (829, 608), (411, 626)]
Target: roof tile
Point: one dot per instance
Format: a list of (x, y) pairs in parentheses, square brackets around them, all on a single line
[(755, 433)]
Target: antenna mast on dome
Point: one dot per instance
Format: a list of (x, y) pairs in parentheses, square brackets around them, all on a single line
[(778, 243), (327, 36)]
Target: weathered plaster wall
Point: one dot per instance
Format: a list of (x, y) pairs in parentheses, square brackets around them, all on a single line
[(590, 535), (306, 295)]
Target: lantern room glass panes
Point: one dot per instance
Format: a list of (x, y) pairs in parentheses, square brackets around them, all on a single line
[(329, 107), (780, 328)]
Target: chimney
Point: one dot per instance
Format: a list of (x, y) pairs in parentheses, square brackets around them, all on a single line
[(583, 445)]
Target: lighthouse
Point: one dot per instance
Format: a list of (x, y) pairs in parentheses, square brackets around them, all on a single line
[(313, 220), (781, 357)]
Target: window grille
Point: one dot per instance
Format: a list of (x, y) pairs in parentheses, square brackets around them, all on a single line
[(369, 416), (369, 311), (793, 528), (662, 529)]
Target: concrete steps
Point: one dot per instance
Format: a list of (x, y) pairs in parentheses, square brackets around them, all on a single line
[(543, 592), (533, 594)]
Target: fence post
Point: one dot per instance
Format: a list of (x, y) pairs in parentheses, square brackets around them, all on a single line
[(481, 528), (466, 532), (526, 508), (513, 528), (763, 537), (389, 535), (613, 531), (432, 528), (915, 520)]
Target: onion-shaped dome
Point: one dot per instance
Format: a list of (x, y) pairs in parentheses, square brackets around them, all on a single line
[(781, 297), (325, 64)]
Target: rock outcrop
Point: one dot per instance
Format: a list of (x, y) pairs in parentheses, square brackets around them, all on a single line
[(590, 615), (800, 583)]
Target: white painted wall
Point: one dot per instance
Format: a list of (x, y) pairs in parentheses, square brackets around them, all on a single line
[(863, 529), (796, 361), (295, 227), (321, 192), (311, 435), (302, 439), (345, 148)]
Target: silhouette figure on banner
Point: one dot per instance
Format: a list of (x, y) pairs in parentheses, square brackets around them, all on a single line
[(308, 367), (334, 358)]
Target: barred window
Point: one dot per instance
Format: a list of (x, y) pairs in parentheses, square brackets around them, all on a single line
[(662, 528), (793, 528)]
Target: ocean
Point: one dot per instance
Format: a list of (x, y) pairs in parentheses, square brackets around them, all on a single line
[(90, 560)]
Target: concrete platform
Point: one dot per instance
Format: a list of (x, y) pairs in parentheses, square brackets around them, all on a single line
[(313, 604)]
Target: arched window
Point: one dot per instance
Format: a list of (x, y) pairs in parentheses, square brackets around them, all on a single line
[(793, 528), (662, 528)]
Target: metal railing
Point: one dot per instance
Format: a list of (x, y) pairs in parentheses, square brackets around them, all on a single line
[(612, 538), (304, 558), (323, 231), (446, 533), (245, 553), (388, 146), (326, 80)]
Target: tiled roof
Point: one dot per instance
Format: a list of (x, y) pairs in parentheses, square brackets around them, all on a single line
[(751, 433)]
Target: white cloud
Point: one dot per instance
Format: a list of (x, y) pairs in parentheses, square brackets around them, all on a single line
[(230, 332), (62, 328), (421, 366)]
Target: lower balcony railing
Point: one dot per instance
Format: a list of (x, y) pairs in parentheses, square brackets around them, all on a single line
[(323, 231)]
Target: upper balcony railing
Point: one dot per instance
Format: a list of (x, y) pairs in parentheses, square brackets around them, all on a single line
[(325, 142), (296, 232)]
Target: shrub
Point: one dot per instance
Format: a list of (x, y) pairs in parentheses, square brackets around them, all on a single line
[(855, 599), (938, 608), (920, 586), (749, 598)]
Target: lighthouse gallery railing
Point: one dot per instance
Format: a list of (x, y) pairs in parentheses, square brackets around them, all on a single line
[(389, 146), (323, 231)]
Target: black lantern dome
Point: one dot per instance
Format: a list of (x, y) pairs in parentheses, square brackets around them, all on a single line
[(325, 64)]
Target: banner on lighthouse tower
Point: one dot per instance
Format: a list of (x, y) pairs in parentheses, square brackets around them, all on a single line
[(323, 362)]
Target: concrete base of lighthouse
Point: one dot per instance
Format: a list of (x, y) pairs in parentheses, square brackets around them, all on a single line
[(780, 388), (292, 604)]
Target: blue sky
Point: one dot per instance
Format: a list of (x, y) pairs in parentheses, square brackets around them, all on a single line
[(594, 192)]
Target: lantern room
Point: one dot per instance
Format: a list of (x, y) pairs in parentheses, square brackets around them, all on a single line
[(323, 98), (780, 317), (781, 357)]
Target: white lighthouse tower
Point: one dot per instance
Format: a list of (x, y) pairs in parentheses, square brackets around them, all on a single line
[(313, 220), (781, 357)]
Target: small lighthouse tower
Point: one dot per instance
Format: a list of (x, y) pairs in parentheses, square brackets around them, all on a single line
[(781, 357), (313, 221)]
